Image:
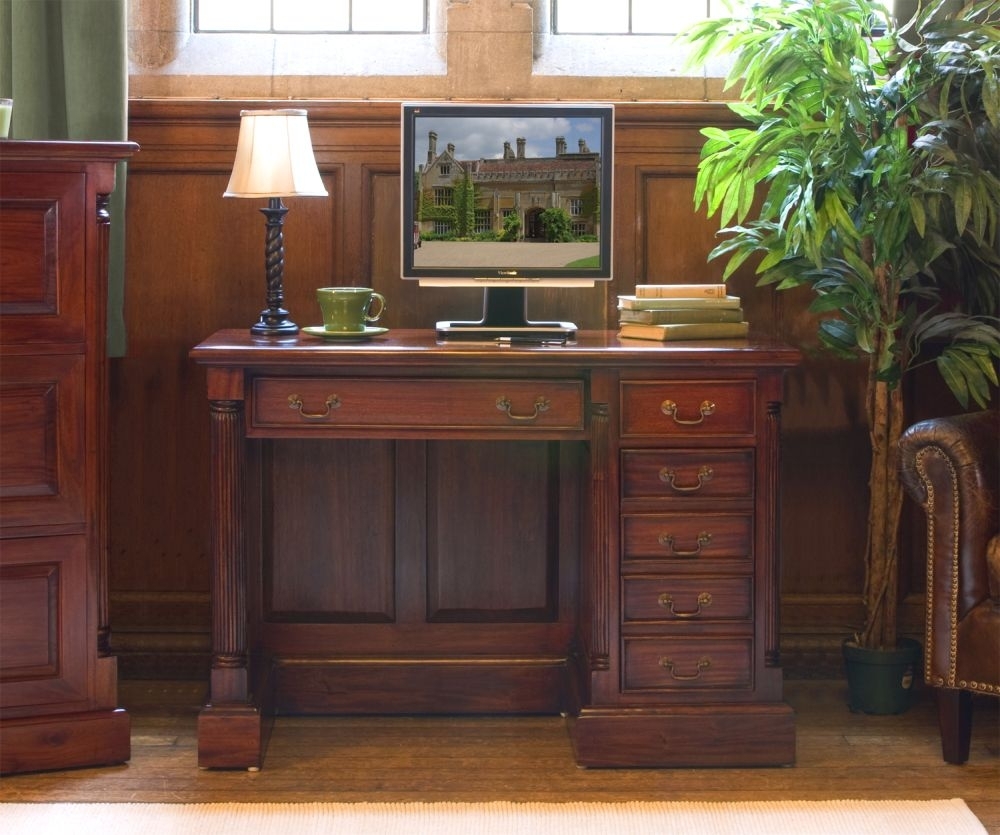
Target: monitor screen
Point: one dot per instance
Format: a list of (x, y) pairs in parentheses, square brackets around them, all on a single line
[(506, 194)]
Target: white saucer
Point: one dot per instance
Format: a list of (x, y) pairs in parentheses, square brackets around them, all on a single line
[(322, 332)]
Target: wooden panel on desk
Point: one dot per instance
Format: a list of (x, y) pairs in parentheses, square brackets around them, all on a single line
[(330, 543), (493, 521)]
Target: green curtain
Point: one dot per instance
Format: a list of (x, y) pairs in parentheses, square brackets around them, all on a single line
[(64, 62)]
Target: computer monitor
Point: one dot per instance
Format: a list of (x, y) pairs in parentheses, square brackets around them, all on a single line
[(506, 197)]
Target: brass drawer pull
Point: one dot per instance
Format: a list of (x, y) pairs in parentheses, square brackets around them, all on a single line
[(669, 477), (703, 664), (295, 403), (541, 405), (667, 602), (669, 408), (667, 541)]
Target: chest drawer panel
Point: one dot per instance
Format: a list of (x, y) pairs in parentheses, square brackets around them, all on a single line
[(687, 663), (687, 537), (686, 408), (453, 404), (43, 464), (43, 260), (695, 599), (664, 474)]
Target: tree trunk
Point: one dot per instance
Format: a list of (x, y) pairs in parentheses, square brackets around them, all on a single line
[(885, 413)]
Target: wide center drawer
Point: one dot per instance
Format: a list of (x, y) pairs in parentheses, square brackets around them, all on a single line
[(514, 405)]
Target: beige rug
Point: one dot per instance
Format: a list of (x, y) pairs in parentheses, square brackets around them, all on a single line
[(835, 817)]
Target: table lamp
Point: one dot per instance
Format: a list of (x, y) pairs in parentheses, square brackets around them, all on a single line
[(274, 159)]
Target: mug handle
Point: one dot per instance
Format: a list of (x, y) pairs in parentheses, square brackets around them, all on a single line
[(374, 317)]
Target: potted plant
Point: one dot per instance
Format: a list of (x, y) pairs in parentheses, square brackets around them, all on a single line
[(868, 169)]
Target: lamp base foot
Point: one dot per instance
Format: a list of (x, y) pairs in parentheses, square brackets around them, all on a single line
[(263, 328)]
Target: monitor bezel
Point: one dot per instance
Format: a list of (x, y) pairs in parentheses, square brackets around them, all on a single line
[(500, 275)]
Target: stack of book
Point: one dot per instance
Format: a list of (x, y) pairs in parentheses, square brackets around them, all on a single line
[(680, 311)]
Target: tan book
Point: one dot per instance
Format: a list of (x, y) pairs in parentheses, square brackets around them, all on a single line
[(674, 291), (637, 303), (682, 314), (684, 330)]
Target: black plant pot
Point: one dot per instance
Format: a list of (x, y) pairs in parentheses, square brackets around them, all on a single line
[(881, 681)]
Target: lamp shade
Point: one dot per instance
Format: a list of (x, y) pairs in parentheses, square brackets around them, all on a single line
[(274, 156)]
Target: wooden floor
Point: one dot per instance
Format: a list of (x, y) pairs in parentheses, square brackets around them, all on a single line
[(839, 755)]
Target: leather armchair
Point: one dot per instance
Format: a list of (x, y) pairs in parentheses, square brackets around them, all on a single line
[(951, 468)]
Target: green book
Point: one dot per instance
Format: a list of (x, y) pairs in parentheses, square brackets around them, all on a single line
[(682, 314)]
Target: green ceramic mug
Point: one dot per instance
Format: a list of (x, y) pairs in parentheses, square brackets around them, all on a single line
[(349, 309)]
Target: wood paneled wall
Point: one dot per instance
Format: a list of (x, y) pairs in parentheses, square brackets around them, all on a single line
[(195, 264)]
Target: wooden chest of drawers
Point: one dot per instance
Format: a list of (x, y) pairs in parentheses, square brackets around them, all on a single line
[(404, 526), (58, 696)]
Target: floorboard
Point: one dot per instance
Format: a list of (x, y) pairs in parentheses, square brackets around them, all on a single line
[(839, 755)]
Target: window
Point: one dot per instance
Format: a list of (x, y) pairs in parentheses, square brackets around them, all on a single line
[(627, 38), (630, 17), (483, 221), (576, 206), (444, 196), (313, 16)]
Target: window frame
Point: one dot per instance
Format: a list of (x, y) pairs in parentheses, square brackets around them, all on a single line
[(197, 30), (554, 15), (607, 55)]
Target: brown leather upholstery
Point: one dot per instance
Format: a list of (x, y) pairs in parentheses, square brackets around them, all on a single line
[(951, 467)]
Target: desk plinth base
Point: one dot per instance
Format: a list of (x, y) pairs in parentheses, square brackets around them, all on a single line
[(691, 736), (232, 736)]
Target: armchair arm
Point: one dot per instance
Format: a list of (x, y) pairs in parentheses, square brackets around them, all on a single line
[(951, 468)]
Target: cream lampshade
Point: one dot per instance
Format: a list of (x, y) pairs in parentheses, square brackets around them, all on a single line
[(274, 159)]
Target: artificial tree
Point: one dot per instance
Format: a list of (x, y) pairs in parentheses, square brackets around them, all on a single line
[(869, 170)]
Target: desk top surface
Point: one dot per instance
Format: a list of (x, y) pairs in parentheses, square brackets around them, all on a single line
[(422, 347)]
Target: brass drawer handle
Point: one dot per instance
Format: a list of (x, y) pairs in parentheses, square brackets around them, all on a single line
[(295, 403), (669, 408), (541, 405), (667, 541), (667, 602), (703, 664), (669, 477)]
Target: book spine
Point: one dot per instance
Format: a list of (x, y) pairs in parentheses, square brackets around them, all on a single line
[(636, 303), (673, 291), (682, 314), (700, 330)]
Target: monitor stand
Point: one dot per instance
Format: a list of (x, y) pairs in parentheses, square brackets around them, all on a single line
[(505, 315)]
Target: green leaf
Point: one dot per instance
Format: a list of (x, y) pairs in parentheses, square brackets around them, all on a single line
[(954, 379)]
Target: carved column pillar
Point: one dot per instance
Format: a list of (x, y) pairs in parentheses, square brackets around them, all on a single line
[(599, 568), (229, 604), (769, 493)]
